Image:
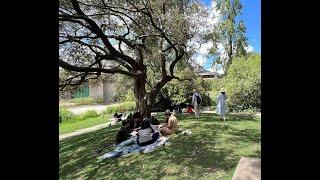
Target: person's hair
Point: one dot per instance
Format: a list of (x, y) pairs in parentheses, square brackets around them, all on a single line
[(137, 115), (167, 112), (223, 93), (125, 122), (145, 124)]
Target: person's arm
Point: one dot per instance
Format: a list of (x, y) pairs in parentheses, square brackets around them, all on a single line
[(170, 124), (192, 99), (200, 98)]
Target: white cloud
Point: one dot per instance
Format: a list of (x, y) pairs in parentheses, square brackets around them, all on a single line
[(249, 48), (203, 23), (200, 59)]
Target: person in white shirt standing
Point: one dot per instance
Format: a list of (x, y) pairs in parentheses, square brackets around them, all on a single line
[(196, 101), (221, 104)]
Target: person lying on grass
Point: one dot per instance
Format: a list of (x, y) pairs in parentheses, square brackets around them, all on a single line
[(171, 125)]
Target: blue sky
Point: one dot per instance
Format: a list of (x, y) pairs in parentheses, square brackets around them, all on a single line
[(251, 15)]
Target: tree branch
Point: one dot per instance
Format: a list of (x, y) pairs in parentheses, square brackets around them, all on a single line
[(97, 30), (70, 67)]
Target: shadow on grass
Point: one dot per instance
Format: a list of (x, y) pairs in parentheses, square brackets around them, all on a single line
[(210, 148)]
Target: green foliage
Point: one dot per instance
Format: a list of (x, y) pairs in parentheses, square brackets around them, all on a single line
[(124, 88), (180, 91), (65, 115), (88, 114), (230, 32), (85, 101), (121, 107), (242, 84)]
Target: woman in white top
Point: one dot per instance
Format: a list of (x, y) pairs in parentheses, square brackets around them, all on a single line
[(221, 104)]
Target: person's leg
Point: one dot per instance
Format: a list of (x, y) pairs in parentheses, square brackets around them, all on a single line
[(196, 111), (132, 140)]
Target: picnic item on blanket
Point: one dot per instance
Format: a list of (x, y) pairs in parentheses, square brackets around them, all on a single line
[(134, 133), (186, 132)]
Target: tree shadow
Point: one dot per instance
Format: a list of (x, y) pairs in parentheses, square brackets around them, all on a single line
[(204, 151)]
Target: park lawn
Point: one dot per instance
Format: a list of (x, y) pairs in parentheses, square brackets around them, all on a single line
[(68, 127), (212, 151)]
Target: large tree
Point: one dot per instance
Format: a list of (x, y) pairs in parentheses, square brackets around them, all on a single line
[(133, 38), (229, 33)]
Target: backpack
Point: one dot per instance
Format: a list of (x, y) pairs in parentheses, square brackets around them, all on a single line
[(198, 98)]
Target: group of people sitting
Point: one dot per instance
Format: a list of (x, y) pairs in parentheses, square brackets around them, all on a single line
[(145, 131)]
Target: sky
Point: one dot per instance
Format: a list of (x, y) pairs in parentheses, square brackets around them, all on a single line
[(251, 15)]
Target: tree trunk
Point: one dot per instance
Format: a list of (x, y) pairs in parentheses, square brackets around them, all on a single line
[(143, 103)]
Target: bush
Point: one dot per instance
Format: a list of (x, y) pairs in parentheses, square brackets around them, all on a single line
[(242, 84), (86, 101), (65, 115), (181, 91), (88, 114), (121, 107)]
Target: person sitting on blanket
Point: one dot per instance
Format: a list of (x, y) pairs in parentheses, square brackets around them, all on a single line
[(146, 135), (131, 123), (189, 109), (137, 119), (122, 133), (171, 125)]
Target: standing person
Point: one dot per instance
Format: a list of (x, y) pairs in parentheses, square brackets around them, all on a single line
[(221, 104), (196, 101)]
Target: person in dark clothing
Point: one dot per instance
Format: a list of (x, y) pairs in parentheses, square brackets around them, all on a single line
[(131, 123), (122, 133), (137, 118)]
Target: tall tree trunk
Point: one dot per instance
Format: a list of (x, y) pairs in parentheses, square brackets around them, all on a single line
[(140, 94)]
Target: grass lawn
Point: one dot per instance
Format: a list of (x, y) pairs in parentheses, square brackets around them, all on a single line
[(212, 151), (68, 127)]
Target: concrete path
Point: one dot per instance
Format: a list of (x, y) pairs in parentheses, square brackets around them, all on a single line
[(248, 169)]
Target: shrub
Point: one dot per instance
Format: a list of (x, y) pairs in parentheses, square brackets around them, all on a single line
[(242, 84), (89, 114), (181, 91), (121, 107), (65, 115), (86, 101)]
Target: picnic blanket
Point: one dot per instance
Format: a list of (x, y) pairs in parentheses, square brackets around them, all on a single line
[(134, 148)]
